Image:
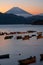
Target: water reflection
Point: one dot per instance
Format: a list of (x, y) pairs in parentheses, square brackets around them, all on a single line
[(26, 48)]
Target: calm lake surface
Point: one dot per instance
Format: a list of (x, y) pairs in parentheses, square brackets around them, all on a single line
[(26, 48)]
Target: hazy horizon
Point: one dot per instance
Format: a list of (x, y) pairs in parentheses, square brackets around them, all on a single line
[(31, 6)]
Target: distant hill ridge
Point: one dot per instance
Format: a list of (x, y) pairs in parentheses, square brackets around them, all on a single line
[(14, 19)]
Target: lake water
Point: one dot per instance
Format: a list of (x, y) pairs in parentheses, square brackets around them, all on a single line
[(26, 48)]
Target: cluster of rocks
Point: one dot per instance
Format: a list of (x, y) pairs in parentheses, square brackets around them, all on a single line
[(9, 35), (2, 33), (39, 35), (30, 60), (26, 61)]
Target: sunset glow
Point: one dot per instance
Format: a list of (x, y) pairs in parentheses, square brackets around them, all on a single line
[(31, 6)]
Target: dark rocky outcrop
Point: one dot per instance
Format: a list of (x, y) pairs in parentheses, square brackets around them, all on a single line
[(19, 37), (28, 61), (41, 57), (4, 56), (26, 37), (8, 37)]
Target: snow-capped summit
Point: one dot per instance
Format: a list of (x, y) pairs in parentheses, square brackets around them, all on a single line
[(18, 11)]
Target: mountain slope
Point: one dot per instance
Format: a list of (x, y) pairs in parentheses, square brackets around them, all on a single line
[(18, 11), (11, 19)]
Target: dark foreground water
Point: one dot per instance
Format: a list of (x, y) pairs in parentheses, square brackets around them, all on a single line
[(26, 48)]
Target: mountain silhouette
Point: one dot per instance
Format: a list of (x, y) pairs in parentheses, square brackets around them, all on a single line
[(14, 19), (18, 11), (41, 14)]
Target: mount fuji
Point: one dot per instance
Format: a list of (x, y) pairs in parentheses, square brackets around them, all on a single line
[(19, 12)]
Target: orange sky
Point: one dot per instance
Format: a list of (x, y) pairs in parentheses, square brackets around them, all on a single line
[(31, 8)]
